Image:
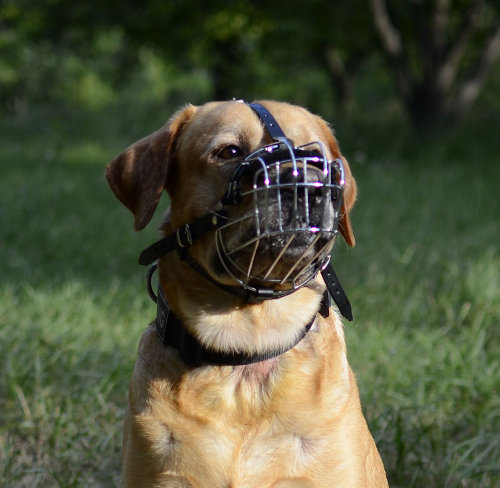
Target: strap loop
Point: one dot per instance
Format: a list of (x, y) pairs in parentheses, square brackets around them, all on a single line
[(182, 238), (337, 292)]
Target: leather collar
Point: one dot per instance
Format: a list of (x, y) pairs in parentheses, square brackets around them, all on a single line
[(172, 332)]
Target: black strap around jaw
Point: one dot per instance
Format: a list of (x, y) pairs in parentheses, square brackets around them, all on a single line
[(182, 238), (256, 295), (172, 333)]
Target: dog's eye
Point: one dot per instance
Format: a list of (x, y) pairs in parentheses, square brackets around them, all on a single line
[(230, 152)]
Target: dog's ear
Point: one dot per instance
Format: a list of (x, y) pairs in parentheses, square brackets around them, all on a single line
[(349, 197), (350, 187), (138, 175)]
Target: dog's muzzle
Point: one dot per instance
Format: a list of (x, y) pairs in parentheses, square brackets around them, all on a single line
[(283, 205), (275, 225)]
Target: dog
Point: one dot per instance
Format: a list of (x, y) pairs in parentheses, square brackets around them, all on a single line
[(290, 418)]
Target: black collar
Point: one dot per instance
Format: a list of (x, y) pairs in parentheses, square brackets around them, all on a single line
[(172, 333)]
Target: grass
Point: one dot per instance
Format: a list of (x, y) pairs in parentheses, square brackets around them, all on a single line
[(426, 281), (423, 280)]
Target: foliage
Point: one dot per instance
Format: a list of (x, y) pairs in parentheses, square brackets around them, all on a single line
[(440, 53)]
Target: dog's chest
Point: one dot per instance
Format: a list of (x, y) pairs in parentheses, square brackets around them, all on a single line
[(274, 450), (244, 425), (241, 457), (241, 426), (255, 375)]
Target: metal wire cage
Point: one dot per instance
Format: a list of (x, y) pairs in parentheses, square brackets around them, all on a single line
[(293, 198)]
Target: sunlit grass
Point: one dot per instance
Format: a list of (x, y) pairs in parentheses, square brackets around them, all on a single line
[(423, 281)]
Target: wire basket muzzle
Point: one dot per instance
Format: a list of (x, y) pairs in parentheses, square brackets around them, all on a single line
[(285, 211)]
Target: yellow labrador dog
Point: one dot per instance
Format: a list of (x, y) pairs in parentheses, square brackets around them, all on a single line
[(243, 380)]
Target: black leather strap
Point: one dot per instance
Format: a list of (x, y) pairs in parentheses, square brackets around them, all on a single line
[(172, 333), (270, 122), (258, 294), (337, 292), (182, 238)]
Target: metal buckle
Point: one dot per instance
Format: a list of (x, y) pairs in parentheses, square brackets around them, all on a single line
[(149, 286), (187, 239)]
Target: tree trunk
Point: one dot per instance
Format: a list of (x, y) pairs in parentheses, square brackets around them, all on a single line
[(435, 90), (341, 79)]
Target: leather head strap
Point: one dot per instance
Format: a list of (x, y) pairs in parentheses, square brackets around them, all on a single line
[(270, 123)]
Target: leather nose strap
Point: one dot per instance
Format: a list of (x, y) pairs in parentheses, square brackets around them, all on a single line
[(270, 123)]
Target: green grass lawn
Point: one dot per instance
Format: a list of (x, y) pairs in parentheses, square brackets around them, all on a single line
[(423, 280)]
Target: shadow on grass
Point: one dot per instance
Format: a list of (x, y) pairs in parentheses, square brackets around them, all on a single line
[(423, 280)]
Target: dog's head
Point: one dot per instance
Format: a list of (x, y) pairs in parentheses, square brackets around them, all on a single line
[(283, 212)]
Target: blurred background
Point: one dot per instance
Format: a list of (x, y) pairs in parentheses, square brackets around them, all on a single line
[(412, 90), (424, 65)]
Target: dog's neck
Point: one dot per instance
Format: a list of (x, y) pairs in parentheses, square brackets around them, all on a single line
[(173, 333), (208, 319)]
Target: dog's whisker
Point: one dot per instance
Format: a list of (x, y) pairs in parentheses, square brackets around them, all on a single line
[(236, 221), (215, 212)]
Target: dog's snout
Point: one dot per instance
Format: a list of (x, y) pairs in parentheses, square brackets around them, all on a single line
[(301, 174)]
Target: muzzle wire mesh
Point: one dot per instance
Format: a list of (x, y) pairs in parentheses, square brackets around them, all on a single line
[(289, 195)]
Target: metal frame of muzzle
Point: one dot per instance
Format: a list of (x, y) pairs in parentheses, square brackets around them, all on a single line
[(253, 286), (289, 178)]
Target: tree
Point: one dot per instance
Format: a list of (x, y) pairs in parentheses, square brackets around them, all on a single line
[(334, 37), (440, 53)]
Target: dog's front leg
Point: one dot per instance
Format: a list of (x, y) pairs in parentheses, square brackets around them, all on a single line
[(141, 469)]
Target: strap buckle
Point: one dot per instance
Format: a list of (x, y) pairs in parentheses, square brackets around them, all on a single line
[(184, 236), (149, 286)]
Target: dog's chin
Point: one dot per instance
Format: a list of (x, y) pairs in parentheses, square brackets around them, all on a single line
[(279, 249), (270, 261), (300, 252), (270, 257)]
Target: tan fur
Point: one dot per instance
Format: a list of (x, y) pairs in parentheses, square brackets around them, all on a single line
[(290, 422)]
